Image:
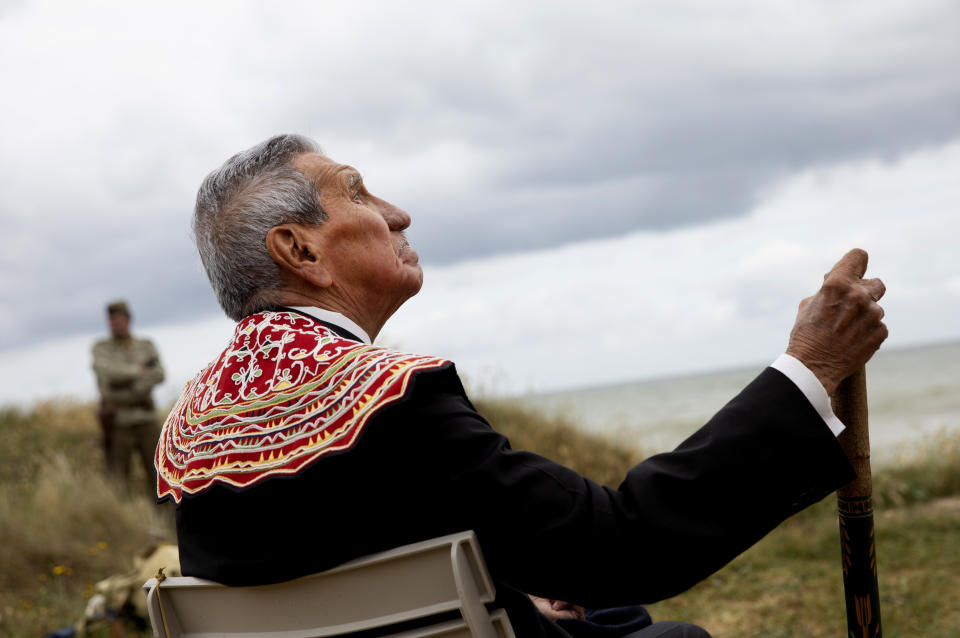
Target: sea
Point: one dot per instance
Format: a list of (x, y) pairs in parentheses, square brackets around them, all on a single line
[(913, 402)]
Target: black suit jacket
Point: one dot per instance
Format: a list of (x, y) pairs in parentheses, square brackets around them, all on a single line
[(431, 465)]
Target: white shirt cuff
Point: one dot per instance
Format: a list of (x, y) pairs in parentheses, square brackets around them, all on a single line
[(810, 386)]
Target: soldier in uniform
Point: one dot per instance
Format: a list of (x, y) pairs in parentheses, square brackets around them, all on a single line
[(127, 368)]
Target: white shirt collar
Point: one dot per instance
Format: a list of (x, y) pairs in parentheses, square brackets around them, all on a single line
[(336, 319)]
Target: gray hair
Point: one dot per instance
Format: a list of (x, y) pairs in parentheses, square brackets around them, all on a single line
[(237, 205)]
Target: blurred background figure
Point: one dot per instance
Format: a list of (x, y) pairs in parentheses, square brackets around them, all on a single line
[(127, 369)]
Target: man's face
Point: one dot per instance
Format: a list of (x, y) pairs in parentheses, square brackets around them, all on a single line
[(119, 325), (362, 242)]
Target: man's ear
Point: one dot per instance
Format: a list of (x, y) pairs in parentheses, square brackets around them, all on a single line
[(291, 247)]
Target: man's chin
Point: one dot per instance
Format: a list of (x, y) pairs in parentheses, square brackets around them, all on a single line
[(418, 282)]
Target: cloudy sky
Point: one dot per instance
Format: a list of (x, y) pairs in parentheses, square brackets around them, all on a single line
[(600, 193)]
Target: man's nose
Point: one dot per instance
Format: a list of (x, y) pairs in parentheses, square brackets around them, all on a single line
[(396, 217)]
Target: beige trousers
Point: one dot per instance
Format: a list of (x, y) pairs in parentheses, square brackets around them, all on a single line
[(138, 441)]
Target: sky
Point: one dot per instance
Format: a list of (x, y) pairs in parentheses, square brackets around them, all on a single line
[(599, 193)]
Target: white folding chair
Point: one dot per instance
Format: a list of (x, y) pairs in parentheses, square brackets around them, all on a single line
[(376, 592)]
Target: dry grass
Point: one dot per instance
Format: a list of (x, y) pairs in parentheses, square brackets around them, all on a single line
[(928, 471), (63, 527), (604, 460)]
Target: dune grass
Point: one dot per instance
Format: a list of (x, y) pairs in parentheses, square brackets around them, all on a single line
[(63, 526), (604, 460)]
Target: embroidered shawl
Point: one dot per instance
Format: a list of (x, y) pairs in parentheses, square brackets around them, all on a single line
[(285, 392)]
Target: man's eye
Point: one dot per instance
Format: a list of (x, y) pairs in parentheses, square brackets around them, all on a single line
[(356, 198)]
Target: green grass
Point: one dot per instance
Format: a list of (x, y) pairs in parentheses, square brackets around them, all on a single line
[(63, 527), (789, 584)]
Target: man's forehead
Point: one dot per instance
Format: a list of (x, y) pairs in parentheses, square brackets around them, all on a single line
[(321, 168)]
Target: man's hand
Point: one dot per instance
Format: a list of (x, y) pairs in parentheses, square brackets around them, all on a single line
[(557, 609), (839, 328)]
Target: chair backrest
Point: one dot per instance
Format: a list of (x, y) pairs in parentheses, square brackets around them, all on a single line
[(375, 592)]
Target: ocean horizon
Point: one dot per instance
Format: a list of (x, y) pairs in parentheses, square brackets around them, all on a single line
[(913, 396)]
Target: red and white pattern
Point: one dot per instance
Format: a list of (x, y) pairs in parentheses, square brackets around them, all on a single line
[(285, 392)]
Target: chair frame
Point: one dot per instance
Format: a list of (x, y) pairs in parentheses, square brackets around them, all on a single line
[(374, 592)]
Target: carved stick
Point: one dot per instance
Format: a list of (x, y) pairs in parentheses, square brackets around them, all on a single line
[(855, 504)]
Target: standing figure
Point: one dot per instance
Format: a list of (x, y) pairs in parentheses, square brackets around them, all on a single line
[(127, 369)]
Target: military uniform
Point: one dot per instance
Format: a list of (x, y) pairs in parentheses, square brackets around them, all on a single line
[(127, 369)]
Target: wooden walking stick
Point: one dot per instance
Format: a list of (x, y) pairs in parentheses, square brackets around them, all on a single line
[(855, 504)]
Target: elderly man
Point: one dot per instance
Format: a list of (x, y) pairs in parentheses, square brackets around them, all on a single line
[(127, 369), (302, 445)]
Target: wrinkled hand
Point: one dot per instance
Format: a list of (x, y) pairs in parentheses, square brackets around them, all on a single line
[(557, 609), (839, 328)]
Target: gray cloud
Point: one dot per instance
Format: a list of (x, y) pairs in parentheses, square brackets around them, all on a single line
[(634, 131), (567, 124), (152, 265)]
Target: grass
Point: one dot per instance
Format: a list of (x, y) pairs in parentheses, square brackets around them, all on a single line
[(63, 527), (63, 524), (789, 584), (604, 460)]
